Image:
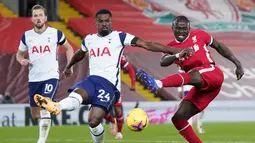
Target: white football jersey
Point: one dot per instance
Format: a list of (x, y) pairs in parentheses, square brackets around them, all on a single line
[(43, 53), (105, 54)]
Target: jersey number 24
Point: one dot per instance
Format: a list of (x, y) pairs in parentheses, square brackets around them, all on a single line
[(103, 96)]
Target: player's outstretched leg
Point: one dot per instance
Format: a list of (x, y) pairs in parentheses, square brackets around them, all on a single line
[(47, 104), (200, 123), (96, 115), (180, 120), (147, 80), (72, 102), (120, 121), (112, 121), (176, 80)]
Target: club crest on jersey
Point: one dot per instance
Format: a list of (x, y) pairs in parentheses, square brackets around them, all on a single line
[(41, 49), (194, 39), (99, 52)]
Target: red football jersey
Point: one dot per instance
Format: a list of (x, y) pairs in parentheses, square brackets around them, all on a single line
[(123, 62), (198, 40)]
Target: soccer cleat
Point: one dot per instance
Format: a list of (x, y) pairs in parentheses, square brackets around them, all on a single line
[(201, 130), (119, 136), (113, 127), (47, 104), (132, 88), (147, 80)]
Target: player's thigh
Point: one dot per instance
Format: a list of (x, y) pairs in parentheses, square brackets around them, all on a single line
[(34, 88), (49, 88), (187, 107), (35, 112), (86, 88), (212, 77), (201, 98)]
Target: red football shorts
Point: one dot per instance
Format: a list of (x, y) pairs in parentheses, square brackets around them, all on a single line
[(118, 103), (212, 81)]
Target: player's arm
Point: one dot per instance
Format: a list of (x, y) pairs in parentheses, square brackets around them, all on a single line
[(65, 44), (20, 55), (168, 60), (69, 51), (78, 56), (130, 40), (155, 47), (228, 54)]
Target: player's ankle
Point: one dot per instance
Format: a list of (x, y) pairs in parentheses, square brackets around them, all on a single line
[(159, 83)]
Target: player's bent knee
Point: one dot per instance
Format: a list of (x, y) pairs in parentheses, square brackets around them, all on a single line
[(35, 112), (118, 110), (179, 116), (36, 117), (94, 122)]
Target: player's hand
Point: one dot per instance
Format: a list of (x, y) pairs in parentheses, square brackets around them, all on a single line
[(186, 53), (68, 72), (24, 62), (239, 72)]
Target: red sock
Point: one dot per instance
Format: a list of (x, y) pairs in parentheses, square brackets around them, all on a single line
[(109, 118), (176, 80), (186, 131), (131, 73), (120, 121)]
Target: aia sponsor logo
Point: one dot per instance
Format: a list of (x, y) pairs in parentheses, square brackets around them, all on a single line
[(41, 49), (99, 52)]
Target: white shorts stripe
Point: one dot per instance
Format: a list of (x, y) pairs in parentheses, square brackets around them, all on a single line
[(182, 78), (207, 69)]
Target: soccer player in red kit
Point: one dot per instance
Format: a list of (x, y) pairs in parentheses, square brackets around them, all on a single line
[(128, 67), (200, 71), (118, 108), (118, 123)]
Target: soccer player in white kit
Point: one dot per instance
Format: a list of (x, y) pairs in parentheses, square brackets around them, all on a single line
[(101, 88), (42, 43)]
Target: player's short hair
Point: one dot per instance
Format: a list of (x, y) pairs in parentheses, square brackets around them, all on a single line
[(103, 11), (180, 18), (39, 7)]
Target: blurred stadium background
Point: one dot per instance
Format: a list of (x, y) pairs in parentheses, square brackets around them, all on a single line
[(229, 21)]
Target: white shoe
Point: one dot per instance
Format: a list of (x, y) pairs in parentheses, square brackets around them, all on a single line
[(201, 130), (118, 136)]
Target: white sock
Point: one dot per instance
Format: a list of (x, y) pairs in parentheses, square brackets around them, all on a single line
[(200, 119), (72, 102), (159, 83), (44, 126), (190, 121), (97, 133)]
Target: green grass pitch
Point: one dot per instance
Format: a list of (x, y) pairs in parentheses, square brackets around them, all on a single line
[(215, 133)]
